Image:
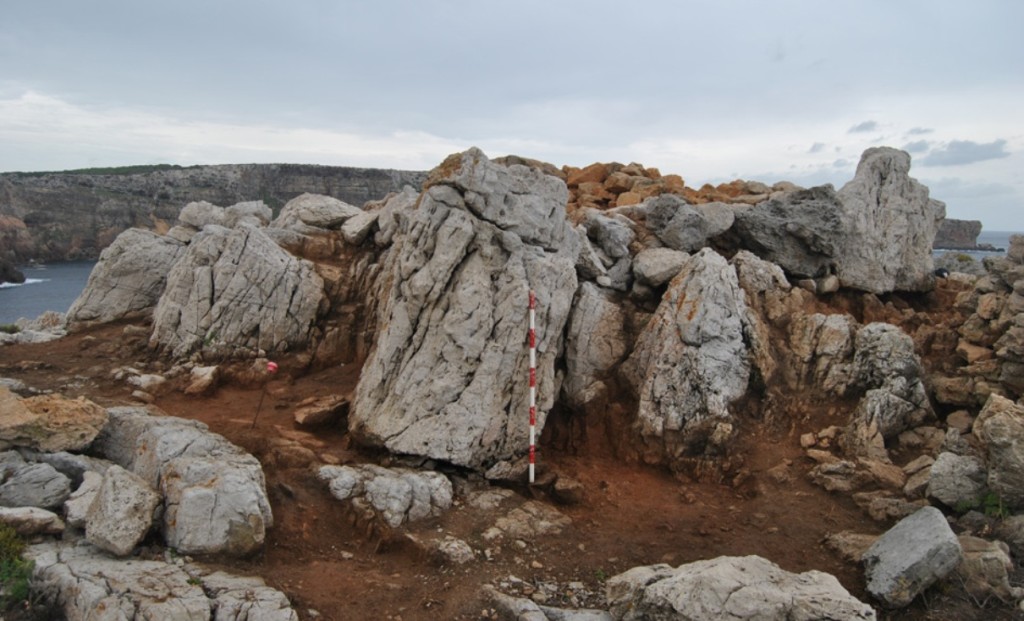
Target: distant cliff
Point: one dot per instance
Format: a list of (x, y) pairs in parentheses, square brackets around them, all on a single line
[(75, 214), (958, 234)]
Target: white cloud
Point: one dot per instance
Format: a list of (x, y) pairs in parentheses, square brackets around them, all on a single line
[(959, 152)]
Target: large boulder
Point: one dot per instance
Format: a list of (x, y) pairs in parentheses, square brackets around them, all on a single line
[(235, 289), (32, 485), (447, 376), (1000, 427), (315, 210), (128, 279), (727, 588), (910, 557), (50, 423), (681, 226), (875, 233), (691, 361), (957, 481), (215, 498)]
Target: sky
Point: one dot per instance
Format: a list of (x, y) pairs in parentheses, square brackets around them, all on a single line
[(711, 90)]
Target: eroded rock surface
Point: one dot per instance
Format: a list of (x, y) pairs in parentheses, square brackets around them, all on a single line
[(397, 496), (446, 376)]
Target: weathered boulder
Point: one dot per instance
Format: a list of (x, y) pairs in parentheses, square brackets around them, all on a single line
[(691, 362), (657, 266), (611, 234), (198, 214), (245, 598), (121, 512), (957, 481), (824, 347), (314, 210), (727, 588), (357, 228), (445, 377), (596, 341), (32, 485), (254, 213), (875, 233), (83, 583), (396, 207), (910, 557), (985, 569), (28, 521), (681, 226), (397, 496), (236, 289), (128, 279), (1000, 427), (49, 423), (957, 234), (215, 497), (76, 507)]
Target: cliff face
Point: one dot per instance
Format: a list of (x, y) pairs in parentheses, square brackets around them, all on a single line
[(63, 216), (958, 234)]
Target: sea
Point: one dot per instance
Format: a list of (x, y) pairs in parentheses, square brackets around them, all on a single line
[(996, 239), (49, 286)]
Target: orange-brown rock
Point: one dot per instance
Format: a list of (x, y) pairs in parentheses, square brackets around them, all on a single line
[(596, 172), (627, 198), (619, 182)]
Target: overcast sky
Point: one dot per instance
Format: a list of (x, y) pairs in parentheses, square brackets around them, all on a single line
[(712, 90)]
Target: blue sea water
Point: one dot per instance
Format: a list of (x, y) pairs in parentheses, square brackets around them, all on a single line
[(997, 239), (51, 286)]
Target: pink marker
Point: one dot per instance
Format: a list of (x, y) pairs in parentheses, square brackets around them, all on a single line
[(271, 367)]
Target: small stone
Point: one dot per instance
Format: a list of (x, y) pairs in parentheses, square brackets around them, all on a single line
[(536, 565), (808, 440)]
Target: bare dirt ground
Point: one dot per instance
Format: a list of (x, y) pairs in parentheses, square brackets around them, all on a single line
[(630, 515)]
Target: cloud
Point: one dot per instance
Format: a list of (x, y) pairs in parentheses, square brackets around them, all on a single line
[(919, 131), (959, 152), (866, 126), (918, 146), (817, 147)]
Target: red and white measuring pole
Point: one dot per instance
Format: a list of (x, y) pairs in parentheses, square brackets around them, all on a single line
[(533, 385)]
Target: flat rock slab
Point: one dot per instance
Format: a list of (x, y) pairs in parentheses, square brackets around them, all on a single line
[(730, 589), (28, 521), (910, 557), (34, 485), (49, 423)]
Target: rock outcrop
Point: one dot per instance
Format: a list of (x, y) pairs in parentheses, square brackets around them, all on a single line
[(395, 496), (730, 588), (128, 279), (236, 289), (875, 234), (446, 376), (691, 362), (957, 234)]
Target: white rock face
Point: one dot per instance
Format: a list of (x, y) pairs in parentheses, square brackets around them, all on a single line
[(246, 598), (730, 589), (76, 507), (128, 279), (80, 581), (690, 362), (236, 288), (201, 213), (447, 377), (396, 495), (657, 266), (121, 512)]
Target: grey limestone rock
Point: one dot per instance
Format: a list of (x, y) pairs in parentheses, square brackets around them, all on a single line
[(80, 581), (29, 521), (33, 485), (314, 210), (1000, 427), (128, 279), (657, 266), (445, 377), (76, 507), (395, 208), (245, 598), (957, 481), (875, 233), (691, 361), (397, 496), (730, 589), (679, 225), (49, 423), (596, 341), (255, 213), (910, 557), (121, 512), (612, 234), (198, 214), (236, 289), (214, 492), (357, 228)]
